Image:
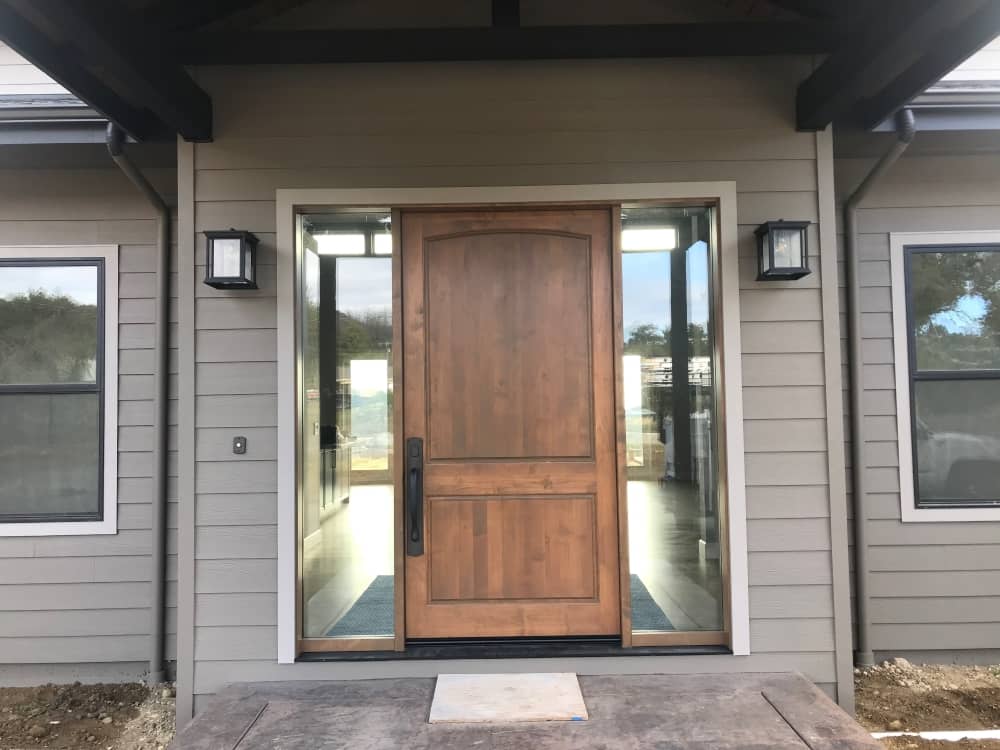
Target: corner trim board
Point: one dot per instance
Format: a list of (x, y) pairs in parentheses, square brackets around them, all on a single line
[(288, 201), (836, 457)]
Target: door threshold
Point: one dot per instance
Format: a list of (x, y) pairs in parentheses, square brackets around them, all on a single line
[(513, 648)]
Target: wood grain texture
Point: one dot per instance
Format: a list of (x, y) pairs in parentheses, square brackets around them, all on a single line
[(509, 378)]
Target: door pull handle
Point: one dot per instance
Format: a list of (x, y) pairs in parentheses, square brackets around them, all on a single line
[(414, 497)]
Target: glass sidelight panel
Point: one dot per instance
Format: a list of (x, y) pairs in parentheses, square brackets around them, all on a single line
[(346, 450), (670, 420)]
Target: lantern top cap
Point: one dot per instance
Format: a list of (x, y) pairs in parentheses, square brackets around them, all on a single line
[(223, 234), (768, 226)]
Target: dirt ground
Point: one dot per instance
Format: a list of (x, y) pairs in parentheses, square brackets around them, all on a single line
[(901, 697), (109, 717)]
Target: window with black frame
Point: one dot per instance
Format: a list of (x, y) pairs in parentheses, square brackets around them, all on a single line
[(953, 331), (51, 389)]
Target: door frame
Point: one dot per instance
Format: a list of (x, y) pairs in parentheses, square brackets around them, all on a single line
[(722, 194)]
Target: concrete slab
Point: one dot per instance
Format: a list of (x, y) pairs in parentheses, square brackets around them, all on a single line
[(506, 698), (665, 712)]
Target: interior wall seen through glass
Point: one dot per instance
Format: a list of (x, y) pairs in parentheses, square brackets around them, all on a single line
[(346, 501), (669, 382)]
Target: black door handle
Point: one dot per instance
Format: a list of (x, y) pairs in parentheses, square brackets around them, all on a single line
[(414, 497)]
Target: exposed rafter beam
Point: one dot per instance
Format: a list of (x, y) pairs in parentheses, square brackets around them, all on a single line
[(951, 49), (521, 43), (890, 37), (32, 44), (506, 12), (811, 8), (113, 61), (178, 16), (218, 14)]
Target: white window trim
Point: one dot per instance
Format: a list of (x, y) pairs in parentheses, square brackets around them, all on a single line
[(109, 499), (898, 241), (288, 201)]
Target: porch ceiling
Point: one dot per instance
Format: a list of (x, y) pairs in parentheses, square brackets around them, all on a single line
[(126, 58)]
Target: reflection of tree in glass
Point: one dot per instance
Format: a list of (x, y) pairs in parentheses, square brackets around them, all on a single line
[(47, 338), (364, 336), (649, 341), (956, 315)]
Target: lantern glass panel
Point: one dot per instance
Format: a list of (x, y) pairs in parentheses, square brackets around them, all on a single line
[(787, 248), (226, 257), (248, 269), (765, 254)]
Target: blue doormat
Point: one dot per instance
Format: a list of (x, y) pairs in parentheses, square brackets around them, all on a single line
[(371, 614), (646, 613)]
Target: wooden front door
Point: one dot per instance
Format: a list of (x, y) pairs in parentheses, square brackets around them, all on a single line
[(509, 384)]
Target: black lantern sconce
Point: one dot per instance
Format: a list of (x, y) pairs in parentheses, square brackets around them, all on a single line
[(231, 259), (782, 252)]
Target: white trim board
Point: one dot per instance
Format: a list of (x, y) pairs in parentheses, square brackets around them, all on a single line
[(898, 241), (109, 498), (724, 193)]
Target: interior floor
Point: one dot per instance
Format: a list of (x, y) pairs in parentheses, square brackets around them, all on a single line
[(668, 554), (346, 562)]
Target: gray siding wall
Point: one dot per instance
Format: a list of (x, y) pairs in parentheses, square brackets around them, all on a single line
[(506, 124), (77, 607), (935, 586), (18, 76)]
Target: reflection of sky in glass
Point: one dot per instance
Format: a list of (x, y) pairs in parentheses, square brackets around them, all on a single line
[(646, 293), (966, 317), (646, 297), (697, 268), (79, 283), (364, 285)]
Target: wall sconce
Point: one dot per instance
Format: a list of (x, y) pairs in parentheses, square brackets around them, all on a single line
[(782, 252), (231, 259)]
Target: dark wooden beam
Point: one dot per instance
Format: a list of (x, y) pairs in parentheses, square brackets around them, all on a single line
[(889, 38), (506, 12), (55, 62), (180, 16), (952, 47), (811, 8), (499, 43), (125, 56)]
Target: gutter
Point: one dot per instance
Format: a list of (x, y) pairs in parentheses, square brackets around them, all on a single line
[(905, 130), (115, 141)]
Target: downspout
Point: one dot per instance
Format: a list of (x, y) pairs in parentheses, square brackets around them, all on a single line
[(115, 141), (905, 130)]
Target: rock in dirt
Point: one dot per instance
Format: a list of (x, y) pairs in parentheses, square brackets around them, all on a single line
[(902, 663), (895, 725), (37, 731)]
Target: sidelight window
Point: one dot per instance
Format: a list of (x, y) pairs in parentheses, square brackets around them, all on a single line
[(346, 451), (669, 379)]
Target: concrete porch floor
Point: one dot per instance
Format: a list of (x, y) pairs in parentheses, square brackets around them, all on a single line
[(721, 712)]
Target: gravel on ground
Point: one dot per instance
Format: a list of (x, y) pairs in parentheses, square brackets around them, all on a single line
[(128, 716), (897, 696)]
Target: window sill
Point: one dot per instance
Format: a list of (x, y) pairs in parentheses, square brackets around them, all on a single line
[(60, 528), (911, 514)]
